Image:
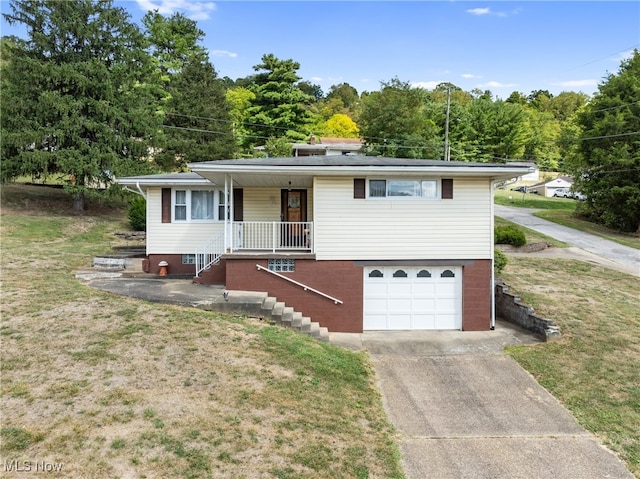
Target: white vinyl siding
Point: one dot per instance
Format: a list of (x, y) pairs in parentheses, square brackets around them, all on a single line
[(348, 228), (175, 238), (263, 204)]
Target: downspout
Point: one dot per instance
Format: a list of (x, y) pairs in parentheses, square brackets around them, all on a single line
[(138, 192), (493, 279), (226, 214), (231, 207)]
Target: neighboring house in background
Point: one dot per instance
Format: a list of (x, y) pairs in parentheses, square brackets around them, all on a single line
[(548, 188), (532, 175), (373, 243), (328, 146)]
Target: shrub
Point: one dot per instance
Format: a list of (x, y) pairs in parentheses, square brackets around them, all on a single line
[(499, 261), (138, 214), (509, 235)]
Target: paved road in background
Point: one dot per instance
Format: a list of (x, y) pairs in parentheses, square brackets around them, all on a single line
[(628, 257)]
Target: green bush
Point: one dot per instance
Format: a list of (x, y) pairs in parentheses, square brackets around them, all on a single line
[(509, 235), (138, 213), (499, 261)]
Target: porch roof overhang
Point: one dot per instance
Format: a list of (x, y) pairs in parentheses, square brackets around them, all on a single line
[(298, 172), (164, 180)]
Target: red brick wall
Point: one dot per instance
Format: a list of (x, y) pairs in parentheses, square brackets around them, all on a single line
[(341, 279), (213, 276), (476, 296)]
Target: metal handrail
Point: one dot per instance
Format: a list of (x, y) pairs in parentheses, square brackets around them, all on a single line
[(209, 253), (303, 286)]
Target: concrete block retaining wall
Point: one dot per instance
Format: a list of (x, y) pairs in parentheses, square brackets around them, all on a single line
[(511, 309)]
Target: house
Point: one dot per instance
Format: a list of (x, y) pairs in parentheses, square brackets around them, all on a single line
[(328, 146), (548, 188), (354, 242), (533, 173)]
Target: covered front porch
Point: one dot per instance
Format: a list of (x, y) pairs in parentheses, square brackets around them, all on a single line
[(271, 236)]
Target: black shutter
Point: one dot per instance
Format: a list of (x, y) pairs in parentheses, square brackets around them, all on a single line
[(359, 188), (238, 199), (166, 205), (447, 188)]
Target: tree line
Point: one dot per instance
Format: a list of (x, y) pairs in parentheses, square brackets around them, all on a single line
[(89, 95)]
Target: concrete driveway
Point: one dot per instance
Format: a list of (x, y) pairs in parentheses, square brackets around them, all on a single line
[(464, 409), (627, 259)]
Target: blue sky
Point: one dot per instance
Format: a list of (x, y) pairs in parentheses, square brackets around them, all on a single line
[(501, 46)]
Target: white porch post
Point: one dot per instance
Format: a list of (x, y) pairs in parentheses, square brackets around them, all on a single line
[(226, 214)]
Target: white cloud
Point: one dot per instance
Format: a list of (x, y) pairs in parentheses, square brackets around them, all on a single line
[(623, 56), (488, 11), (427, 85), (193, 10), (470, 75), (577, 83), (223, 53), (496, 84), (479, 11)]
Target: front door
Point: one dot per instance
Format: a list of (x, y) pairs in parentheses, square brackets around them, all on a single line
[(294, 212)]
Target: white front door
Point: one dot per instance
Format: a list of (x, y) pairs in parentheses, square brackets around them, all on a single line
[(412, 297)]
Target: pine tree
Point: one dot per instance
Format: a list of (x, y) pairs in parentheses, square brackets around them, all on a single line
[(80, 95)]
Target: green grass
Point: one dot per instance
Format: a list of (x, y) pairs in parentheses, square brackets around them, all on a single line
[(594, 370), (561, 211), (528, 200), (532, 236), (114, 386)]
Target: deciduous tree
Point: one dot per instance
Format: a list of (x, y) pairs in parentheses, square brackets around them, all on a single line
[(607, 167)]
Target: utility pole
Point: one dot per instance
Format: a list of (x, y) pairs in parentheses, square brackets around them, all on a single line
[(446, 127)]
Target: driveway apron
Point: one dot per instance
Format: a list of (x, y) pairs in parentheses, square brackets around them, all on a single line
[(464, 409)]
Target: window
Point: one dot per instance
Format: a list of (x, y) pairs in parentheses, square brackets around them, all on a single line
[(285, 265), (376, 273), (400, 274), (424, 274), (447, 273), (188, 259), (198, 205), (403, 189)]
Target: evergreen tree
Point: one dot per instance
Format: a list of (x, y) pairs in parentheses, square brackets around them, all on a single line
[(198, 124), (280, 106), (80, 95)]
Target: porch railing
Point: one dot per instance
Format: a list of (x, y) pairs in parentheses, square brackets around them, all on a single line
[(209, 253), (272, 236)]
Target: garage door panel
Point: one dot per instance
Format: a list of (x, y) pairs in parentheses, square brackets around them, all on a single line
[(377, 321), (399, 321), (399, 305), (427, 298), (424, 304), (423, 321), (446, 321), (423, 289)]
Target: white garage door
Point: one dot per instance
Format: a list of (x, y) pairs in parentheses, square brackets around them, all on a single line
[(402, 297)]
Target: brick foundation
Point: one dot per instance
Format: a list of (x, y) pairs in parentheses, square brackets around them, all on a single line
[(476, 295), (215, 275), (341, 279)]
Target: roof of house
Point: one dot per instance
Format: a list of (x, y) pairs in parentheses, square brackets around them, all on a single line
[(299, 171), (568, 179)]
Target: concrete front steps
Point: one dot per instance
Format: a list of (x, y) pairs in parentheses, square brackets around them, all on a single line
[(279, 313)]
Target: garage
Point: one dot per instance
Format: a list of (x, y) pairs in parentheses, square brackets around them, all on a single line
[(412, 298)]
